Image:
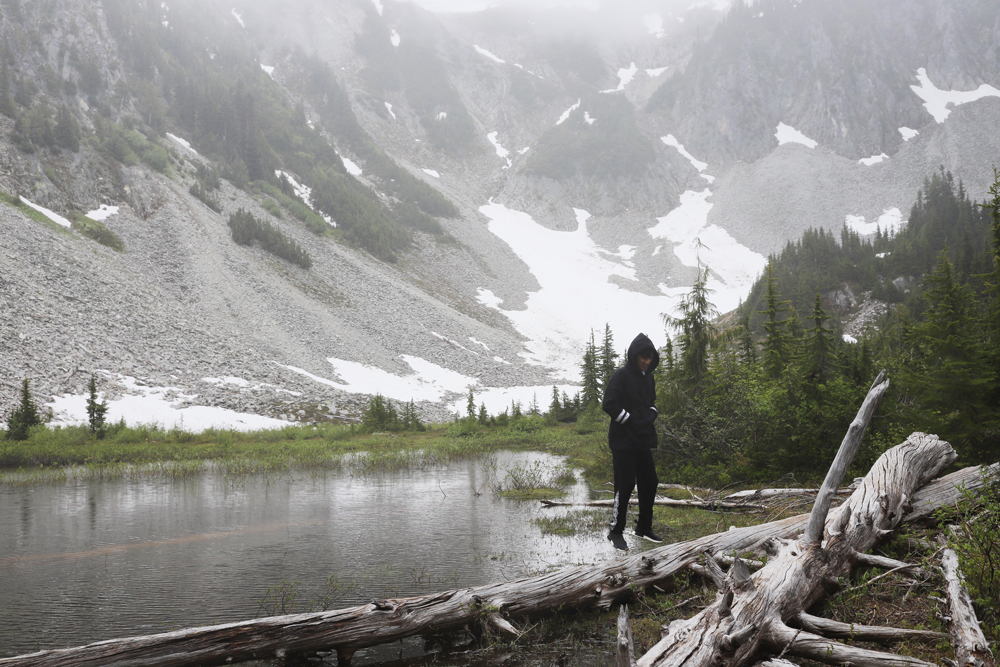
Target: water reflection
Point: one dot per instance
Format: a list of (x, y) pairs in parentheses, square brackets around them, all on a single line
[(83, 562)]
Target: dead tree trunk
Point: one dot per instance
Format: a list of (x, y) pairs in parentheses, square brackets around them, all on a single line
[(971, 647), (753, 614)]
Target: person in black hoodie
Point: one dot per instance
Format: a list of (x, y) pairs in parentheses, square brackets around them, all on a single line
[(630, 400)]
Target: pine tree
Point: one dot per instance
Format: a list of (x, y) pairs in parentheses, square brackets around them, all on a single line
[(696, 330), (818, 354), (607, 358), (555, 407), (96, 411), (949, 378), (470, 406), (67, 132), (484, 416), (591, 374), (24, 416), (776, 343)]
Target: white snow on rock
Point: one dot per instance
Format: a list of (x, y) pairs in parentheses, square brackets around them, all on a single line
[(351, 166), (850, 339), (378, 6), (51, 215), (304, 192), (734, 267), (908, 133), (891, 220), (394, 38), (388, 107), (787, 134), (524, 150), (501, 151), (102, 213), (654, 25), (656, 72), (936, 101), (268, 70), (565, 114), (874, 159), (481, 51), (625, 76), (431, 172), (182, 142), (670, 140), (557, 319), (162, 406), (442, 115), (427, 382), (239, 18), (587, 117)]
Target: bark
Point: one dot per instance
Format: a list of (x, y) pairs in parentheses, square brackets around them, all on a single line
[(971, 647), (828, 628), (382, 621)]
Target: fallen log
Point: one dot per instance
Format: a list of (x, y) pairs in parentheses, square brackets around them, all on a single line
[(660, 500), (971, 647), (625, 656), (752, 614)]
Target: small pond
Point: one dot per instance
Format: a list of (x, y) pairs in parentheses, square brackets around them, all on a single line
[(86, 561)]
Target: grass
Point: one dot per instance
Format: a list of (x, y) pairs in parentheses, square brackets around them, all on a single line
[(56, 454)]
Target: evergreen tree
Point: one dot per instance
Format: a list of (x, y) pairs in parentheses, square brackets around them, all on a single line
[(484, 417), (96, 411), (776, 343), (948, 375), (818, 353), (555, 407), (591, 374), (24, 416), (470, 406), (696, 330), (748, 348), (607, 358)]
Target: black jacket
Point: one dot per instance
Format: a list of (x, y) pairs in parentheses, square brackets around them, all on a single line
[(630, 400)]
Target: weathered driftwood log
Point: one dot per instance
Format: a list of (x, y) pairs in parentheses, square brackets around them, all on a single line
[(971, 648), (827, 628), (752, 614), (758, 494), (626, 651), (660, 500)]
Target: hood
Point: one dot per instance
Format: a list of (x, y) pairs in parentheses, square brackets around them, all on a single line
[(640, 343)]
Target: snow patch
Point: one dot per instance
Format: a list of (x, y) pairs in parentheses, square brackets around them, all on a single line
[(352, 168), (557, 318), (936, 101), (656, 72), (394, 38), (303, 192), (565, 114), (670, 140), (588, 118), (427, 382), (378, 6), (268, 70), (625, 76), (908, 133), (51, 215), (787, 134), (182, 142), (239, 18), (501, 151), (850, 339), (874, 159), (163, 406), (102, 213), (481, 51), (388, 107), (891, 220), (431, 172)]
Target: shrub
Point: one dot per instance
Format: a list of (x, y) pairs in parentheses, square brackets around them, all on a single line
[(96, 230), (246, 229)]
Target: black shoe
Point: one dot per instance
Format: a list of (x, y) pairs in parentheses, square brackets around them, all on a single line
[(648, 534), (618, 540)]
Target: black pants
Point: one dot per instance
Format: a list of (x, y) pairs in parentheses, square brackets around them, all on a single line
[(633, 467)]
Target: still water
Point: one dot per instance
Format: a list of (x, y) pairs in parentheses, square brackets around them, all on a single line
[(83, 562)]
